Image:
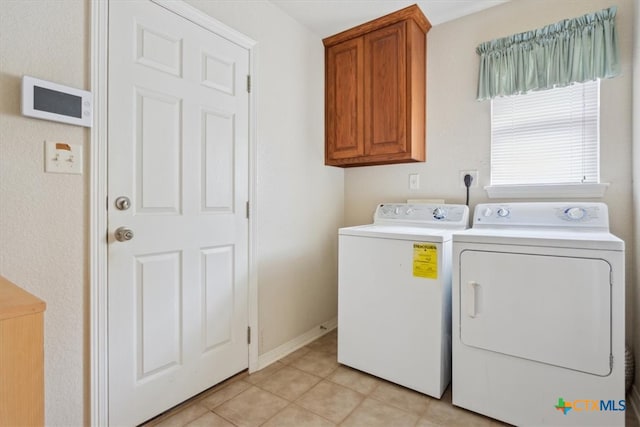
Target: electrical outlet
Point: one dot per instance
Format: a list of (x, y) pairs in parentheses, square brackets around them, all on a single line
[(474, 178)]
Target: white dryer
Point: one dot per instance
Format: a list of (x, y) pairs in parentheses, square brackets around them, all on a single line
[(538, 315), (394, 294)]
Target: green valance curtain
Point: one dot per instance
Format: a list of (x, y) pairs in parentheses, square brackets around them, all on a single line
[(573, 50)]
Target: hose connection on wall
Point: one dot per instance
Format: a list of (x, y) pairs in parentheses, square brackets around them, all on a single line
[(468, 179)]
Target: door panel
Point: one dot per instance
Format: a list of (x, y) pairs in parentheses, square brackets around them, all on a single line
[(218, 144), (217, 291), (158, 312), (158, 147), (159, 50), (218, 73), (385, 90), (344, 99), (549, 309), (178, 148)]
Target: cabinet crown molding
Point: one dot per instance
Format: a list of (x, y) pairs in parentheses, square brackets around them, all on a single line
[(412, 12)]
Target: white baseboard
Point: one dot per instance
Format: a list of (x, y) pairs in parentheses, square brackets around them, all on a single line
[(300, 341), (635, 401)]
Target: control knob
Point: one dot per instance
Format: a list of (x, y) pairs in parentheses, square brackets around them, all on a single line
[(574, 213), (503, 212), (439, 213)]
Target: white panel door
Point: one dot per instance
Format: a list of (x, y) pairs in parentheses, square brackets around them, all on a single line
[(178, 149), (549, 309)]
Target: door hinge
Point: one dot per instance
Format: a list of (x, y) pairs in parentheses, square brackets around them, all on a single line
[(247, 210), (248, 334), (248, 83)]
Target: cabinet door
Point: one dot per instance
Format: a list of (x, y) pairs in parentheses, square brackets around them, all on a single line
[(385, 99), (344, 100)]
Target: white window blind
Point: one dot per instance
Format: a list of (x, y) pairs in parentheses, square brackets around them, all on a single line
[(546, 137)]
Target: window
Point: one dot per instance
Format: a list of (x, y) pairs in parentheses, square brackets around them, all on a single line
[(546, 137)]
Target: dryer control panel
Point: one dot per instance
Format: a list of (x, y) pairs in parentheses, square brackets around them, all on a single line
[(567, 215), (422, 214)]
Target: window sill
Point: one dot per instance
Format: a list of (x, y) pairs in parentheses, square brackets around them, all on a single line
[(550, 191)]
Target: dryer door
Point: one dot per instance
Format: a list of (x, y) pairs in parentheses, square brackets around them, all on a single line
[(549, 309)]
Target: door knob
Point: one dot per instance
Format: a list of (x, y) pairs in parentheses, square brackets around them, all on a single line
[(123, 203), (123, 234)]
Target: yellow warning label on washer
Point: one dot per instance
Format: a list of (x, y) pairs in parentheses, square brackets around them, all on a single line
[(425, 261)]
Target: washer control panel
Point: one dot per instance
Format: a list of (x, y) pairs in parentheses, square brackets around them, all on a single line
[(421, 214), (571, 214)]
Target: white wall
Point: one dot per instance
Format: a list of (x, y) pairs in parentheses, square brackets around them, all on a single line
[(44, 217), (458, 127)]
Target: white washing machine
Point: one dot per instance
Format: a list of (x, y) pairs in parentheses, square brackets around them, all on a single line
[(538, 315), (394, 294)]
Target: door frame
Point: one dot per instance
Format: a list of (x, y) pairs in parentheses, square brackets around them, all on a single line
[(98, 313)]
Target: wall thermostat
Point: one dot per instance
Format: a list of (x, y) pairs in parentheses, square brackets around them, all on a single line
[(52, 101)]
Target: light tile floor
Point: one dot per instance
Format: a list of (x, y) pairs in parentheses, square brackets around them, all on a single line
[(310, 388)]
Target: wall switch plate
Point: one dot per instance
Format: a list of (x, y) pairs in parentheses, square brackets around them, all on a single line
[(414, 181), (61, 157), (474, 176)]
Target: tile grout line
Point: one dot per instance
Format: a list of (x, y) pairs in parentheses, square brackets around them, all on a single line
[(293, 402), (222, 416), (183, 406)]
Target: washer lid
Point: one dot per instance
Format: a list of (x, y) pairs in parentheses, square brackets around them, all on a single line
[(396, 232)]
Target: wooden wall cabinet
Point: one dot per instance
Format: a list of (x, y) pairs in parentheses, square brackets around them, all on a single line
[(375, 91), (21, 357)]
